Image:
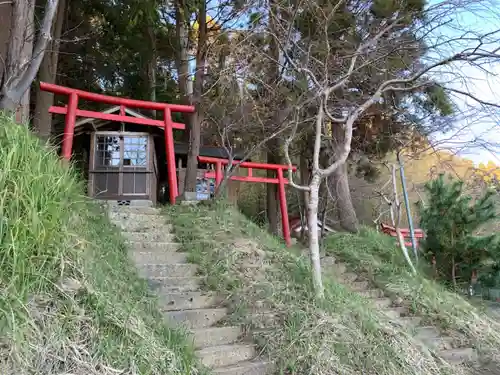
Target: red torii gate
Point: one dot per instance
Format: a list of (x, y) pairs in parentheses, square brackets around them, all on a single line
[(71, 112), (280, 180)]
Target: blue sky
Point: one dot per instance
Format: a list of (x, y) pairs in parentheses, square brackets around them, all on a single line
[(477, 135)]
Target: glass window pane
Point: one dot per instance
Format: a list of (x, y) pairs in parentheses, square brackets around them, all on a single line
[(107, 151), (135, 151)]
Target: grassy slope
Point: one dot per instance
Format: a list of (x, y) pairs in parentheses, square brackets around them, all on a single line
[(343, 334), (70, 301), (376, 255)]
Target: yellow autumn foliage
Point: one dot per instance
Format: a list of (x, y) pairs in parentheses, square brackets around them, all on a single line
[(489, 173), (213, 29)]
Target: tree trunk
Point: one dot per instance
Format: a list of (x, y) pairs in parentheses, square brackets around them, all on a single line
[(19, 55), (182, 61), (151, 68), (23, 62), (273, 145), (314, 236), (5, 19), (196, 118), (453, 272), (304, 181), (345, 209), (42, 121)]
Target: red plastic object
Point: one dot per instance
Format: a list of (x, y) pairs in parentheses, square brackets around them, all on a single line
[(405, 232)]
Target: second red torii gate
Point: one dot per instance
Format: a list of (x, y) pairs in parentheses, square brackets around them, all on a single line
[(280, 180)]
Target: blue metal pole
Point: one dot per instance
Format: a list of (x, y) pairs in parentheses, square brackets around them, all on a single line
[(408, 209)]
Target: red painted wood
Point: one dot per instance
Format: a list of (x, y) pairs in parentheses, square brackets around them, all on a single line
[(113, 117), (170, 153), (283, 207), (69, 126), (264, 180), (56, 89), (405, 234), (218, 173), (245, 164), (387, 229)]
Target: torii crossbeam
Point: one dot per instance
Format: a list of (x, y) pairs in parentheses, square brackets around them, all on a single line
[(280, 180)]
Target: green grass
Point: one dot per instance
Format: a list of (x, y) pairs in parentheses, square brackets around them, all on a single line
[(377, 256), (256, 273), (70, 300)]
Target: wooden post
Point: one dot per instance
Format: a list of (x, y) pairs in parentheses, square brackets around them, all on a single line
[(69, 126), (283, 208), (170, 153)]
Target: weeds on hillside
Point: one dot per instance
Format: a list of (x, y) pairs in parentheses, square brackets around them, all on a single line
[(376, 254), (268, 289), (70, 301)]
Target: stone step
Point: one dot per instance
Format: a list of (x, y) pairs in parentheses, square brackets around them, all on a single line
[(135, 216), (359, 285), (158, 257), (168, 270), (134, 210), (410, 322), (458, 356), (328, 261), (215, 336), (246, 368), (174, 284), (148, 237), (349, 277), (187, 301), (337, 269), (440, 343), (137, 226), (169, 245), (199, 318), (382, 302), (131, 203), (427, 332), (225, 355), (395, 312), (371, 293)]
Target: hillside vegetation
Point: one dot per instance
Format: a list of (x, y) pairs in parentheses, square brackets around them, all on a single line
[(267, 287), (376, 255), (419, 169), (70, 301)]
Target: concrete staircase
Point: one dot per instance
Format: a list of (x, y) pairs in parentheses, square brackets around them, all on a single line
[(399, 314), (155, 252)]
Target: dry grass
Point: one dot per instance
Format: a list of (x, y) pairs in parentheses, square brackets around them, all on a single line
[(70, 301), (376, 255), (268, 290)]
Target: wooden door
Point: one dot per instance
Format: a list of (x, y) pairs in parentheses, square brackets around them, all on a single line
[(121, 166)]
